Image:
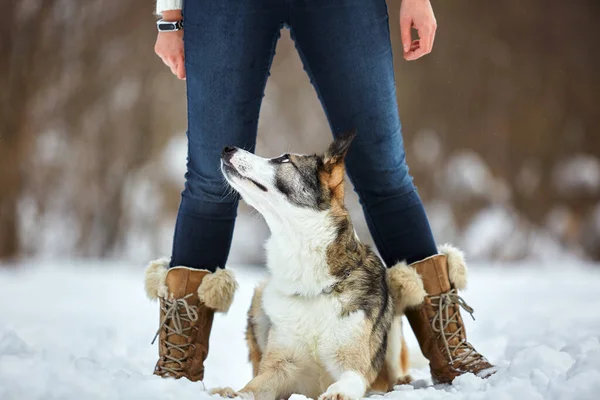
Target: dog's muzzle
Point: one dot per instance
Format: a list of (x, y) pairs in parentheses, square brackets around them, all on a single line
[(227, 153)]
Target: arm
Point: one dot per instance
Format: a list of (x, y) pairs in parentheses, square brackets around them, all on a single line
[(169, 45)]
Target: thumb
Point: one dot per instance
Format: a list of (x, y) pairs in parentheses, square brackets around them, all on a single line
[(181, 70), (405, 25)]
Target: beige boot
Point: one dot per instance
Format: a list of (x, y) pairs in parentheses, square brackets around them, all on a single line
[(437, 322), (188, 299)]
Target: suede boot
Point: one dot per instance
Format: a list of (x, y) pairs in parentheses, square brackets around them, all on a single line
[(188, 300), (437, 322)]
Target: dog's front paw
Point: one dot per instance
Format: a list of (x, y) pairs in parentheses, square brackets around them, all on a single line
[(225, 392), (404, 380), (335, 396)]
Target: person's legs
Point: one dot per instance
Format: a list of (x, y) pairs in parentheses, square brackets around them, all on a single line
[(346, 50), (229, 46)]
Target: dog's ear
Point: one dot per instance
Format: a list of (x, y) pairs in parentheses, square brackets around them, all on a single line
[(332, 174), (337, 150)]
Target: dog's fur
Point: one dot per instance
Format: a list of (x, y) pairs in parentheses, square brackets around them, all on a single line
[(324, 323)]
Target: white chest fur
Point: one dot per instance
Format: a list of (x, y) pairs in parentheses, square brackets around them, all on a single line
[(312, 323), (297, 257), (304, 317)]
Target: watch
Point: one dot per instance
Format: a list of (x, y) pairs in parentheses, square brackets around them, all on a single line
[(168, 26)]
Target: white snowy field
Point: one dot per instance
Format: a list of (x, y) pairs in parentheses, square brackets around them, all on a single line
[(82, 330)]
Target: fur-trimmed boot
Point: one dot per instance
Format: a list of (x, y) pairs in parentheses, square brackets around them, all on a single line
[(437, 322), (188, 299)]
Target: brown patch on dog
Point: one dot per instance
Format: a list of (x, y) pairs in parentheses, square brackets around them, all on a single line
[(276, 378), (394, 370), (255, 355), (381, 383), (332, 183), (332, 171), (404, 358), (256, 317), (386, 382)]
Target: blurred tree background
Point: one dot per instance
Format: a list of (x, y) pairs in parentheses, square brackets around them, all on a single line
[(501, 127)]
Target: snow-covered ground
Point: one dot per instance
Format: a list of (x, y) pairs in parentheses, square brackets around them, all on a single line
[(82, 330)]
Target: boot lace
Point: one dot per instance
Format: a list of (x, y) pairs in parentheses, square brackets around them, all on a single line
[(181, 314), (461, 353)]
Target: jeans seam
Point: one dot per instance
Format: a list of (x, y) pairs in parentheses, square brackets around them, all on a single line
[(376, 232)]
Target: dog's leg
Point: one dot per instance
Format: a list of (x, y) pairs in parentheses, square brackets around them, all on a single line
[(350, 367), (396, 357), (405, 378), (277, 375), (351, 385)]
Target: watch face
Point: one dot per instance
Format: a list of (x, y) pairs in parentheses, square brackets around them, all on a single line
[(166, 27)]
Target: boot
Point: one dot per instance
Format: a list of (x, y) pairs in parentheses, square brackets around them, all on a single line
[(188, 300), (437, 322)]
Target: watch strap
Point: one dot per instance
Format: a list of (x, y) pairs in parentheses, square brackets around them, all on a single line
[(169, 26)]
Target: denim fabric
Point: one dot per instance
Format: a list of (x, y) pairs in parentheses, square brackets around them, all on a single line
[(346, 50)]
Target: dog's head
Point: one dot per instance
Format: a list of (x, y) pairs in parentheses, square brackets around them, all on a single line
[(290, 184)]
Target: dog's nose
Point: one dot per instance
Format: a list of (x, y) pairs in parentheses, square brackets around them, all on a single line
[(227, 152)]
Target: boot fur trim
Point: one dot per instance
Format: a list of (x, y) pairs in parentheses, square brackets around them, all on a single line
[(217, 290), (155, 277), (406, 287), (457, 267)]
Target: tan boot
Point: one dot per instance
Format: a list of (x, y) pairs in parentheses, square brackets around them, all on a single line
[(437, 322), (188, 299)]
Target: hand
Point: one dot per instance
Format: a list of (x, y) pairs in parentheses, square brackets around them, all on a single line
[(169, 46), (417, 14)]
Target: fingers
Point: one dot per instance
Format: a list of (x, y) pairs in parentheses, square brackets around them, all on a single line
[(181, 70), (414, 45), (427, 35), (176, 65), (415, 54), (405, 26), (424, 45), (433, 30), (425, 40), (173, 66)]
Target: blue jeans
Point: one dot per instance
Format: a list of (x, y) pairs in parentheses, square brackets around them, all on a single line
[(346, 50)]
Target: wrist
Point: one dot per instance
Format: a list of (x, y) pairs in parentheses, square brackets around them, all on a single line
[(172, 15)]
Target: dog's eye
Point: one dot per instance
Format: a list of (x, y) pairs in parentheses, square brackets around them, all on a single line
[(283, 159)]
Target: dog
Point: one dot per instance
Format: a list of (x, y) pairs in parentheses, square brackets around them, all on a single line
[(327, 322)]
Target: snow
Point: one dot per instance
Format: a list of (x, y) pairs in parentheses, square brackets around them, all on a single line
[(580, 173), (172, 159), (82, 330), (500, 233), (468, 175), (490, 231), (427, 147)]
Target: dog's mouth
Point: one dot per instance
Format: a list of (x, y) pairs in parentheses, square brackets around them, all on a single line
[(232, 171)]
